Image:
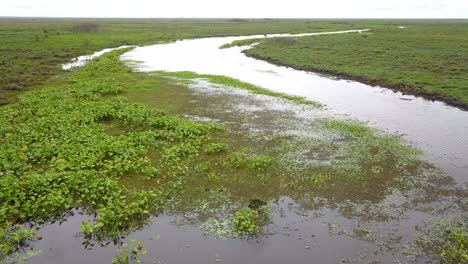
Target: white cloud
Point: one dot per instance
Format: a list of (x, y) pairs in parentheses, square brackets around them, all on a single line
[(239, 8)]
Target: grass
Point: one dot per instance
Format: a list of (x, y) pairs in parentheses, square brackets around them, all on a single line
[(427, 58), (240, 43), (231, 82), (32, 49)]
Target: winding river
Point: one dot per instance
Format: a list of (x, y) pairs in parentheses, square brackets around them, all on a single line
[(439, 130)]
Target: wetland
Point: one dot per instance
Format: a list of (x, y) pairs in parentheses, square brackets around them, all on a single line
[(185, 152)]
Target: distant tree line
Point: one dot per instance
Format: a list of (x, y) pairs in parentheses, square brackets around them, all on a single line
[(85, 28)]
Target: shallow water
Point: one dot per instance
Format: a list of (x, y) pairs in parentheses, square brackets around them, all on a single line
[(299, 237), (82, 60), (301, 232), (441, 131)]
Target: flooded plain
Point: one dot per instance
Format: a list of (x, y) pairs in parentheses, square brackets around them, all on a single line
[(354, 209), (434, 127)]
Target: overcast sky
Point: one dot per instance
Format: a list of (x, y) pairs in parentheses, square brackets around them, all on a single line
[(238, 8)]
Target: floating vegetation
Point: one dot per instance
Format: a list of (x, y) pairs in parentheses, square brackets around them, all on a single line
[(455, 249), (12, 237), (446, 238), (130, 254), (244, 222), (249, 222), (58, 156)]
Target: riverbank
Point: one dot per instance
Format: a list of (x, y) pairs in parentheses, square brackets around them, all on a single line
[(426, 60)]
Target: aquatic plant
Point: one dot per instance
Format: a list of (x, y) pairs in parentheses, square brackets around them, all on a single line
[(249, 222), (12, 237), (59, 156), (82, 143), (455, 249), (130, 254)]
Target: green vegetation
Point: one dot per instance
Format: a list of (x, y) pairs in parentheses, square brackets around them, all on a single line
[(130, 254), (240, 43), (250, 222), (214, 148), (32, 49), (120, 145), (455, 249), (13, 237), (426, 58), (254, 163), (231, 82), (447, 238), (59, 156), (80, 143)]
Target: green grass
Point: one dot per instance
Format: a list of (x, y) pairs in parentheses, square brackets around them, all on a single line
[(240, 43), (427, 58), (32, 49), (231, 82)]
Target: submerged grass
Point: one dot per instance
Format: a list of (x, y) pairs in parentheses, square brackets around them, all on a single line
[(231, 82), (446, 238), (376, 161)]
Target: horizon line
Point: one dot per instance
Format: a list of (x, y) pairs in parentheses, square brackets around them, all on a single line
[(252, 18)]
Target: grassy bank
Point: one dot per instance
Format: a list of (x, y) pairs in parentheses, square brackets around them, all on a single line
[(426, 58), (31, 50), (231, 82)]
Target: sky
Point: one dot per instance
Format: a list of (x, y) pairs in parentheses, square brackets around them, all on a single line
[(237, 8)]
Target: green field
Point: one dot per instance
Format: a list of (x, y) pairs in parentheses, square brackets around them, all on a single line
[(427, 58)]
